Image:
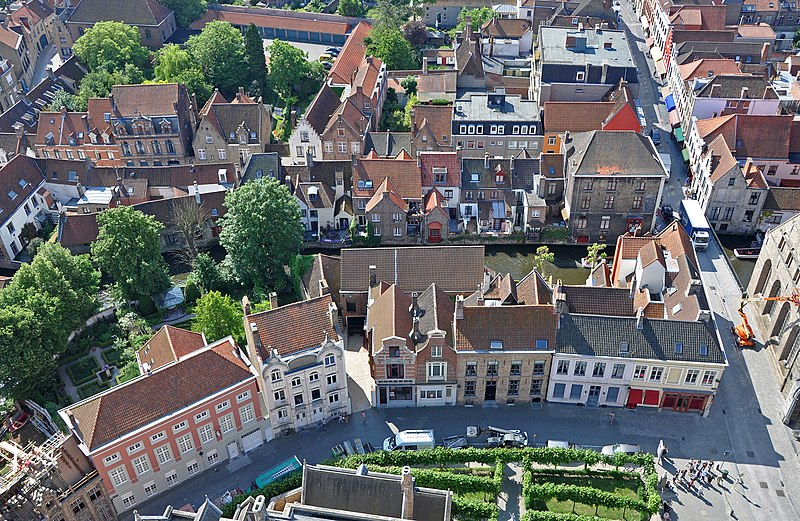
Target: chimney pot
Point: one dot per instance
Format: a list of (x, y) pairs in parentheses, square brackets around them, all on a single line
[(273, 300), (407, 486), (373, 277)]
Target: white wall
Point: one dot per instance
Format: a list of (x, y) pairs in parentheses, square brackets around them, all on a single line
[(19, 219)]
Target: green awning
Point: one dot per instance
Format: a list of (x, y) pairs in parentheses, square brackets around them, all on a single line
[(685, 154), (679, 134)]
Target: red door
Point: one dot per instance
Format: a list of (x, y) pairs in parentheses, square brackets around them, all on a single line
[(634, 398)]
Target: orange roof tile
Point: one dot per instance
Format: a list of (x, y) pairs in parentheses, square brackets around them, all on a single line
[(351, 56), (295, 327), (168, 345)]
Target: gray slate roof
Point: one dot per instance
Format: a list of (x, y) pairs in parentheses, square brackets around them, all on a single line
[(476, 108), (592, 335), (730, 86), (624, 153), (268, 163), (387, 144), (552, 41)]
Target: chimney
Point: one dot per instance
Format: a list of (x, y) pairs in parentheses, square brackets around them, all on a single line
[(196, 193), (486, 161), (414, 309), (246, 305), (309, 157), (715, 88), (333, 315), (459, 314), (604, 74), (765, 52), (491, 46), (407, 486), (566, 136), (19, 130), (240, 95), (373, 276), (424, 65), (294, 119), (323, 288), (467, 28), (745, 92), (273, 300), (639, 317), (512, 165)]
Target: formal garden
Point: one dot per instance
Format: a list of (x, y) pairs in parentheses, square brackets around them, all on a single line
[(556, 484)]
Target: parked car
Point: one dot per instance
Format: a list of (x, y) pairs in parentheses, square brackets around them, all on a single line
[(410, 440), (326, 58), (627, 448), (333, 51), (562, 444), (655, 136)]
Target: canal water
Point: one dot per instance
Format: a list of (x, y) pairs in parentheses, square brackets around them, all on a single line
[(743, 268), (518, 261)]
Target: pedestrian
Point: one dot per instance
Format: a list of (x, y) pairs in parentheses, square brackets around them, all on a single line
[(324, 424), (709, 477), (719, 480), (666, 516), (682, 474), (675, 483), (363, 416), (691, 483), (341, 418)]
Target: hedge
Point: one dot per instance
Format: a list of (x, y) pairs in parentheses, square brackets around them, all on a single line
[(538, 493), (542, 515), (468, 509), (444, 456), (590, 473), (92, 388), (83, 370), (276, 488), (458, 483)]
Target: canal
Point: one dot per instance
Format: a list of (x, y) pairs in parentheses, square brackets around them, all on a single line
[(518, 261), (743, 268)]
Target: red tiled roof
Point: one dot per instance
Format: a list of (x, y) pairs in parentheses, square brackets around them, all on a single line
[(283, 20), (386, 189), (761, 30), (169, 344), (436, 119), (295, 327), (560, 116), (404, 174), (388, 315), (482, 325), (147, 399), (151, 99), (62, 127), (433, 199), (448, 160), (78, 230), (708, 67), (351, 56), (19, 178), (9, 37)]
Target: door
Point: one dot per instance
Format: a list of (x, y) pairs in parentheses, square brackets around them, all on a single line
[(344, 223), (317, 414), (681, 403), (233, 450), (382, 395), (491, 391), (594, 396), (251, 440)]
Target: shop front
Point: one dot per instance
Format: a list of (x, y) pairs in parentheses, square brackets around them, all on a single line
[(684, 401)]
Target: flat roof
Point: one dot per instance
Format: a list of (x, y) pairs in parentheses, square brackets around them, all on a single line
[(552, 42)]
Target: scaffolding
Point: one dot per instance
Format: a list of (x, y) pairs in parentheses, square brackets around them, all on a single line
[(28, 474)]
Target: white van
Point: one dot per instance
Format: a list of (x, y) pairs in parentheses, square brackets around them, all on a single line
[(410, 440)]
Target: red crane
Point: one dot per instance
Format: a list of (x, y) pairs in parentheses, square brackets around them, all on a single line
[(743, 332)]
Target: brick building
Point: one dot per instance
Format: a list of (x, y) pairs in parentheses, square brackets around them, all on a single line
[(166, 426)]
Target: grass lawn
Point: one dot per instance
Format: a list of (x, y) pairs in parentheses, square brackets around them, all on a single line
[(92, 388), (620, 487), (83, 370)]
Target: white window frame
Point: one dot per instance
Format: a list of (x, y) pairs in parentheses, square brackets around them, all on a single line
[(330, 360), (180, 426), (206, 433), (226, 423), (185, 443), (118, 476), (436, 367), (192, 468), (136, 447), (222, 406), (172, 478), (247, 413), (108, 460), (200, 416), (141, 465), (163, 453), (242, 396), (436, 351)]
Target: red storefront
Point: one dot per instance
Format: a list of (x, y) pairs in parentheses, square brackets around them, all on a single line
[(683, 401), (637, 397)]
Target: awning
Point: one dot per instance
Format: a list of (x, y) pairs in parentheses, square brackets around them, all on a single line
[(565, 214), (679, 134), (685, 154), (660, 68), (634, 398), (689, 392), (280, 470), (656, 53), (651, 397), (674, 119), (669, 101)]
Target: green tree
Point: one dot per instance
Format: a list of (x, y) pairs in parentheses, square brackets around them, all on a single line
[(416, 32), (391, 13), (409, 84), (62, 98), (186, 11), (477, 16), (541, 258), (111, 46), (291, 75), (28, 365), (390, 45), (350, 8), (218, 316), (46, 300), (170, 62), (206, 273), (219, 50), (261, 233), (796, 39), (97, 84), (595, 253), (128, 249), (256, 61)]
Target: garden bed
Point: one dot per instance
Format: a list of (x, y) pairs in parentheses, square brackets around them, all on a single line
[(112, 356), (92, 388), (623, 488), (84, 370)]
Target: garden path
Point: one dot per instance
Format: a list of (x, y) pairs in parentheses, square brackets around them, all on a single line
[(510, 499)]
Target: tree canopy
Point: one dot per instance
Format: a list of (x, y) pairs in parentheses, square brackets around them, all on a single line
[(219, 51), (218, 316), (291, 75), (186, 11), (350, 8), (46, 300), (256, 60), (173, 64), (128, 249), (478, 17), (111, 46), (62, 98), (261, 233), (391, 13), (391, 46)]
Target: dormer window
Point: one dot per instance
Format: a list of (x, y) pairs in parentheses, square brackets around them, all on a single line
[(496, 344), (232, 136), (703, 349), (678, 348), (624, 347), (72, 176), (49, 139), (500, 177)]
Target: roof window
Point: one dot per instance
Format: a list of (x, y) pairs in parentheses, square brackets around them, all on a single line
[(703, 349), (496, 344), (624, 347), (678, 348)]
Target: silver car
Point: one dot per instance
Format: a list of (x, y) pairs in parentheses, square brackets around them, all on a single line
[(627, 448), (562, 444)]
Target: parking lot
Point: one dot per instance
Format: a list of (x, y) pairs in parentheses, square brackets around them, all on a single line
[(314, 50)]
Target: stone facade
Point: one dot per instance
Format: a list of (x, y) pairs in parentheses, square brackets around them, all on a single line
[(520, 377), (777, 273)]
